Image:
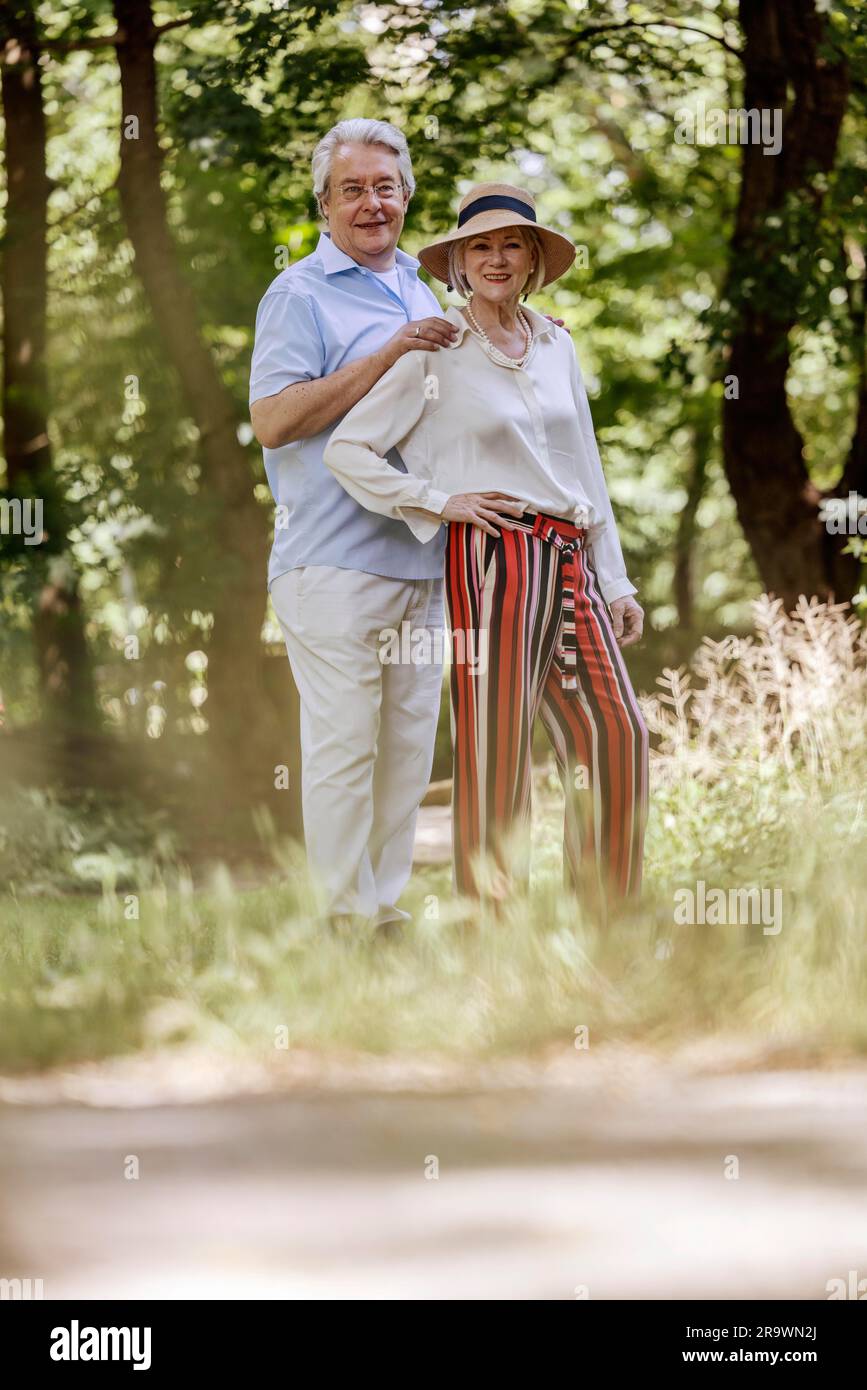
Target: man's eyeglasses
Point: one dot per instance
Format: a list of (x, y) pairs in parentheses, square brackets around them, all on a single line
[(352, 192)]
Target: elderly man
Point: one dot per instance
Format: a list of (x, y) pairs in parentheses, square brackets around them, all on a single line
[(340, 576)]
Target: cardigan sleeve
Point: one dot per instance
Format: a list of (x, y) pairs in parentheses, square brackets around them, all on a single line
[(356, 451), (603, 540)]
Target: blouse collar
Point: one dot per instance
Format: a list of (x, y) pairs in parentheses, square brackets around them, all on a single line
[(541, 326)]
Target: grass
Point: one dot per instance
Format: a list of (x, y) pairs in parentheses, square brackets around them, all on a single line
[(759, 779)]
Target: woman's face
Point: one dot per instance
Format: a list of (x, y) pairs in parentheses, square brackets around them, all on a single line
[(497, 264)]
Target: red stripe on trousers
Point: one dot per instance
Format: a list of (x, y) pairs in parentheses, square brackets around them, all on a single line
[(501, 709)]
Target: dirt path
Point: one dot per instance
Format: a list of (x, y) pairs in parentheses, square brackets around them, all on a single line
[(619, 1186)]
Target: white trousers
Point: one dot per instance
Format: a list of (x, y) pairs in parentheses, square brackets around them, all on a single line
[(368, 724)]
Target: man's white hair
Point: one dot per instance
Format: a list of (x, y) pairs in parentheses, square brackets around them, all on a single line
[(359, 132)]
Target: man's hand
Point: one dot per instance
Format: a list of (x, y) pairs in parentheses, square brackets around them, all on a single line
[(627, 619), (428, 334), (305, 408), (482, 508), (559, 322)]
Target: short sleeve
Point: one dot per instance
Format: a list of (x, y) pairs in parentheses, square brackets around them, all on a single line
[(288, 346)]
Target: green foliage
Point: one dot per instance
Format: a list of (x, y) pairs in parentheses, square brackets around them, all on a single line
[(49, 846)]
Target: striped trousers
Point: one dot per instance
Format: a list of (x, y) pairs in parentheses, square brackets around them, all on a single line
[(531, 636)]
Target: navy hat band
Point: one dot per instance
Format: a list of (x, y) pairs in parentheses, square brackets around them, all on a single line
[(498, 202)]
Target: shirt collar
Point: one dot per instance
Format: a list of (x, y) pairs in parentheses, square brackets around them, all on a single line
[(542, 327), (335, 261)]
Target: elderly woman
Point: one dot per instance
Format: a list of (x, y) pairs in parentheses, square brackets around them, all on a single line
[(497, 438)]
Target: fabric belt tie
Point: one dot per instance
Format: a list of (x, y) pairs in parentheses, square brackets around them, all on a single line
[(568, 546)]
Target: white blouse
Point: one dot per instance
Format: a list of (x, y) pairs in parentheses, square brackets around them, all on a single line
[(463, 423)]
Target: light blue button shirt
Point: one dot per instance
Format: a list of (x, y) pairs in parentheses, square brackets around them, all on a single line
[(318, 315)]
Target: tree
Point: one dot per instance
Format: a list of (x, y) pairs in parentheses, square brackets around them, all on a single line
[(790, 67), (234, 586), (65, 675)]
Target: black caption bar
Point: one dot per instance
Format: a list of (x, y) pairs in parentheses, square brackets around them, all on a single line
[(152, 1340)]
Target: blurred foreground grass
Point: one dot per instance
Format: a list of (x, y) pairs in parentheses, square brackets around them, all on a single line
[(759, 779)]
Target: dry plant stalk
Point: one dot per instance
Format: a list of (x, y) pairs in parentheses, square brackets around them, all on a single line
[(792, 696)]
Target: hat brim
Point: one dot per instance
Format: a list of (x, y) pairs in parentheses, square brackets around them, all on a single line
[(559, 251)]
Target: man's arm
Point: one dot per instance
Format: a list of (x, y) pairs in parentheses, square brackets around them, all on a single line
[(307, 406)]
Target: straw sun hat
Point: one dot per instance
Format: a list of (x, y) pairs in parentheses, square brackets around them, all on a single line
[(487, 207)]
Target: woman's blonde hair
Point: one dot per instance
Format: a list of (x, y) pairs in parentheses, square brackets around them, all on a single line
[(457, 275)]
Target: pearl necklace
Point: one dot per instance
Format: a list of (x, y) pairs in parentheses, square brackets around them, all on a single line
[(494, 352)]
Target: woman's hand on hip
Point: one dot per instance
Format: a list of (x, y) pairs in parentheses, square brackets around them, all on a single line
[(627, 619), (483, 509)]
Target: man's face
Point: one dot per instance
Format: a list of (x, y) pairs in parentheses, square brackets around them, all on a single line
[(367, 228)]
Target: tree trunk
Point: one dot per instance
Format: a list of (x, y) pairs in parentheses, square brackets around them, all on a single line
[(62, 659), (776, 501), (249, 738), (855, 473), (684, 545)]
